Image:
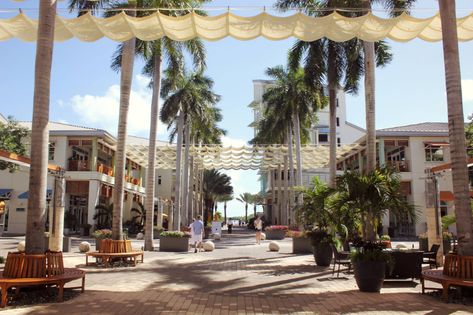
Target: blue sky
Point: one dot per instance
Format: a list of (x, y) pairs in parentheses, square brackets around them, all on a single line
[(85, 91)]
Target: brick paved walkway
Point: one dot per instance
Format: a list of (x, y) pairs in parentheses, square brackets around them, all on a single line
[(239, 277)]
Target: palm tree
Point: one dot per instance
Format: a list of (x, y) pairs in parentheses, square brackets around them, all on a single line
[(215, 185), (257, 200), (246, 198), (35, 219), (340, 64), (456, 128), (188, 98), (103, 215), (224, 199), (126, 51)]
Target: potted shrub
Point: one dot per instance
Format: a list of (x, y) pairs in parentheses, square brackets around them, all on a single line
[(385, 241), (156, 232), (321, 241), (370, 263), (423, 242), (99, 235), (174, 241), (276, 232), (300, 242), (370, 196)]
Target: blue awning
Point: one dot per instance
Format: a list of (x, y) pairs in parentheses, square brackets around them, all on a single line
[(5, 193), (25, 195)]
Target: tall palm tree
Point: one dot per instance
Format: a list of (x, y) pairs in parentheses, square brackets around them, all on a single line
[(215, 185), (336, 64), (39, 129), (127, 52), (257, 200), (456, 128), (246, 198), (224, 199), (188, 98)]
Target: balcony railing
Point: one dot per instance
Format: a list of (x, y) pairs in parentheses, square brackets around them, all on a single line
[(400, 166), (104, 169), (78, 165)]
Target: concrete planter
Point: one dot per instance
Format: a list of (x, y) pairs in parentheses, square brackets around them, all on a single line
[(173, 244), (301, 245), (275, 234)]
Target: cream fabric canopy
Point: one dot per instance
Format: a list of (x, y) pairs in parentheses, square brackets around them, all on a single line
[(334, 26), (238, 158)]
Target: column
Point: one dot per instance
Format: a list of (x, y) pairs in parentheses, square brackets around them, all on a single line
[(381, 154), (93, 158), (94, 191), (279, 206), (286, 194), (57, 221)]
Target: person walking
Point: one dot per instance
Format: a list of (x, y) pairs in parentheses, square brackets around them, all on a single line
[(197, 231), (258, 227), (230, 226)]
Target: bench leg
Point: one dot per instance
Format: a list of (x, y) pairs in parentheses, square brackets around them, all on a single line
[(445, 287), (60, 296), (4, 301)]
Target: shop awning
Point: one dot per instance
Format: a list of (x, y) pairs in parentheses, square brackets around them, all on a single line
[(448, 195), (121, 27), (25, 195), (5, 193), (437, 143)]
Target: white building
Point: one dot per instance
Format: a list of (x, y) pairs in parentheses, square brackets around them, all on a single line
[(413, 150), (88, 156), (347, 133)]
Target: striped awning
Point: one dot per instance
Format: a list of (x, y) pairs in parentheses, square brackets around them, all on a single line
[(5, 193)]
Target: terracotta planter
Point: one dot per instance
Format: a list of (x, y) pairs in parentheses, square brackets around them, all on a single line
[(173, 244), (369, 275), (301, 245), (275, 234)]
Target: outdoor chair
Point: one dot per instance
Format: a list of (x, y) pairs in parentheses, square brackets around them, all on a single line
[(430, 257), (340, 258)]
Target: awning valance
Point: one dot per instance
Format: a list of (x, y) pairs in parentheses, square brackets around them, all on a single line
[(5, 193), (336, 27)]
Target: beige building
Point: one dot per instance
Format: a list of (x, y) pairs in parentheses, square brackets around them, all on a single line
[(87, 155), (413, 150)]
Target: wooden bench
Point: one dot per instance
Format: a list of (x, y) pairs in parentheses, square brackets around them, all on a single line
[(457, 271), (110, 249), (23, 270)]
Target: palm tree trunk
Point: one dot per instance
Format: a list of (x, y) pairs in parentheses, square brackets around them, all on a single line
[(297, 139), (456, 128), (254, 210), (151, 172), (332, 90), (291, 173), (35, 219), (225, 211), (280, 193), (286, 193), (57, 217), (177, 195), (246, 213), (191, 194), (185, 191)]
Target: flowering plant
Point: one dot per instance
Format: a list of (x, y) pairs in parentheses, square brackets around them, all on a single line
[(447, 235), (277, 228), (175, 234), (296, 234), (103, 233)]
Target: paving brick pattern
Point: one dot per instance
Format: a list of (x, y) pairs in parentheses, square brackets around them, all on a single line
[(239, 277)]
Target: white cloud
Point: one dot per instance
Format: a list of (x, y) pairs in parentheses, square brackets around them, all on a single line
[(467, 90), (233, 142), (101, 111)]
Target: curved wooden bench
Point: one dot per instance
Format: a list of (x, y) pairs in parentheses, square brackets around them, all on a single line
[(457, 271), (110, 249), (23, 270)]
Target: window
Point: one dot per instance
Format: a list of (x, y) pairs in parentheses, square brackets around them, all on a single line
[(323, 137), (338, 122), (51, 149), (433, 153), (443, 208), (339, 141), (337, 101), (159, 180)]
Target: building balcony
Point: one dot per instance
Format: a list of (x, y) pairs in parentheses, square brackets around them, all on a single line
[(400, 166), (104, 169), (78, 166)]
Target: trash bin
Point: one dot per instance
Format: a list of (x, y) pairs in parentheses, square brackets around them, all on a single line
[(66, 244)]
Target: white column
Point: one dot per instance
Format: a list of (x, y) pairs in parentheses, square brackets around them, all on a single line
[(94, 189)]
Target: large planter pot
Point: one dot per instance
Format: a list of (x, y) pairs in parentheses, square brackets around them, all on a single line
[(301, 245), (275, 234), (173, 244), (369, 275), (447, 246), (323, 254)]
